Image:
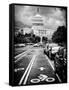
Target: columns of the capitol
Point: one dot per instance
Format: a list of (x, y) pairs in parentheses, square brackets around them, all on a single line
[(41, 39)]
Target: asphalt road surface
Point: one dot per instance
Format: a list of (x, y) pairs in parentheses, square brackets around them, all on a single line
[(32, 67)]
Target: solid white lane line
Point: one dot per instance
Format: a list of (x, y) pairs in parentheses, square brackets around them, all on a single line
[(58, 77), (29, 69), (23, 54), (49, 62), (25, 72), (53, 68), (17, 56)]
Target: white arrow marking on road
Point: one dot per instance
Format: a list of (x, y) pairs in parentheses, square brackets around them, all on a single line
[(41, 68)]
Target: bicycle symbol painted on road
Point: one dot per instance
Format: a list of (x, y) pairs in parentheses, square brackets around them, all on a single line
[(42, 77)]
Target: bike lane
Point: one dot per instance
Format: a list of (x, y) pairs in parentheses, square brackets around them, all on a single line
[(41, 72)]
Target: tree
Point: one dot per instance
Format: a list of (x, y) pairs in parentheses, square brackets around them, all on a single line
[(44, 39), (37, 39), (60, 35)]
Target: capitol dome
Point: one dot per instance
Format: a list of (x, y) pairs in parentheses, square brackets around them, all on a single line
[(38, 25), (38, 16), (37, 19)]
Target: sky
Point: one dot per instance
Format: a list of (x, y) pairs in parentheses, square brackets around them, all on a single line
[(53, 16)]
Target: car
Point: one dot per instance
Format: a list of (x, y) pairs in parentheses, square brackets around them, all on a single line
[(51, 49), (36, 45), (29, 43), (61, 64), (19, 45), (55, 49)]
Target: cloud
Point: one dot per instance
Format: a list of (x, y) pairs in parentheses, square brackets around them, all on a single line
[(53, 17)]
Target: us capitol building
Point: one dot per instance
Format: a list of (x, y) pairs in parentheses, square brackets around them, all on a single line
[(38, 26)]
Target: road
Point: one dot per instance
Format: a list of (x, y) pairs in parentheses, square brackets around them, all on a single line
[(32, 67)]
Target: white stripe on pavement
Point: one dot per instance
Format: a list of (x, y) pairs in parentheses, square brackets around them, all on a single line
[(22, 55), (53, 68), (49, 62), (58, 77), (29, 69), (25, 71)]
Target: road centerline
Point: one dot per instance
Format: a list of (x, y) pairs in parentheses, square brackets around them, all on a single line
[(26, 70), (29, 69)]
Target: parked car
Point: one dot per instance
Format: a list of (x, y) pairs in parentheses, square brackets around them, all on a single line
[(29, 43), (51, 49), (19, 45), (55, 49), (61, 64), (36, 45)]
